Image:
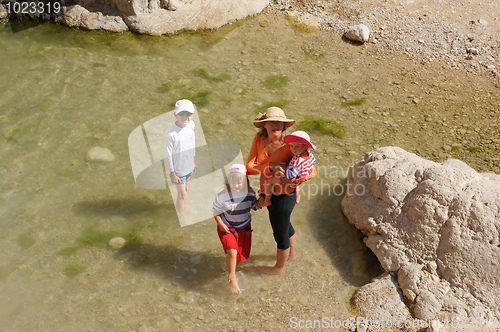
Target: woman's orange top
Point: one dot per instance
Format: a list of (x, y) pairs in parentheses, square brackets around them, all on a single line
[(258, 161)]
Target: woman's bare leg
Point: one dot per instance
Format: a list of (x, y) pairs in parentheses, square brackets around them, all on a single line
[(291, 257)]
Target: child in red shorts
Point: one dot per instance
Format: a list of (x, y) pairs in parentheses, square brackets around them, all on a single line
[(231, 210)]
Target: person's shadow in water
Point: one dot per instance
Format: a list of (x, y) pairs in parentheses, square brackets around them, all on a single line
[(189, 269), (344, 244)]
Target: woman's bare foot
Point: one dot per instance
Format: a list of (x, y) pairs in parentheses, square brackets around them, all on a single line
[(271, 270), (233, 285)]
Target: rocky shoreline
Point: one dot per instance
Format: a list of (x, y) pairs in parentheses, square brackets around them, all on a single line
[(463, 36), (150, 17)]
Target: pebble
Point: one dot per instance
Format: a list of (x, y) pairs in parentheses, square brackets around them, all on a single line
[(142, 328), (265, 23), (117, 242), (435, 326), (334, 150), (125, 122), (361, 328), (359, 33), (473, 51)]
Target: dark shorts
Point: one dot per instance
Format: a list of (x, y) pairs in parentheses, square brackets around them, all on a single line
[(240, 240), (280, 211)]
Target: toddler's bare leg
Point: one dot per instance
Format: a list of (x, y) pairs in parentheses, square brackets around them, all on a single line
[(268, 189), (297, 199)]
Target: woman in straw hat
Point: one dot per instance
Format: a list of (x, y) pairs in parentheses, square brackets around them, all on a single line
[(269, 155)]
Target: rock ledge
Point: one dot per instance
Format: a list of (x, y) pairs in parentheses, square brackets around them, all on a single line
[(151, 17)]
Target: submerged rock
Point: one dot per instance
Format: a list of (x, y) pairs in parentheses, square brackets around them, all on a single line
[(117, 242), (435, 226), (303, 21), (99, 154)]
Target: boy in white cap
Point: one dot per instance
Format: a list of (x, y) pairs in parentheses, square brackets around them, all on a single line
[(180, 149), (300, 166)]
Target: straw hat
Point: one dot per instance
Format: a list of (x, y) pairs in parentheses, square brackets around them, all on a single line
[(272, 114)]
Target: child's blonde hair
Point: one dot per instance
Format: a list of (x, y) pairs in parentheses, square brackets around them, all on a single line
[(234, 176)]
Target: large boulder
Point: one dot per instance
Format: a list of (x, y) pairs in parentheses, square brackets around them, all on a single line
[(435, 227), (194, 15), (3, 12), (152, 17)]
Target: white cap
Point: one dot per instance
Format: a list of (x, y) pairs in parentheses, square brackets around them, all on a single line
[(184, 105)]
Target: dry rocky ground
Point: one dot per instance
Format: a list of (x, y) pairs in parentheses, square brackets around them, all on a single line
[(464, 34)]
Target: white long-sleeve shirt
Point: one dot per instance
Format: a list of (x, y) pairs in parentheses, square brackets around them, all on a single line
[(180, 149)]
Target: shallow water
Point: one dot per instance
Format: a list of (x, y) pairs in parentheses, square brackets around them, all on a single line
[(65, 91)]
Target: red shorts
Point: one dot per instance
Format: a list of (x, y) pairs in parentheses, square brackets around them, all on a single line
[(240, 240)]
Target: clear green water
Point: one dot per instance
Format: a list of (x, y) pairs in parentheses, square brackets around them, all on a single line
[(64, 91)]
